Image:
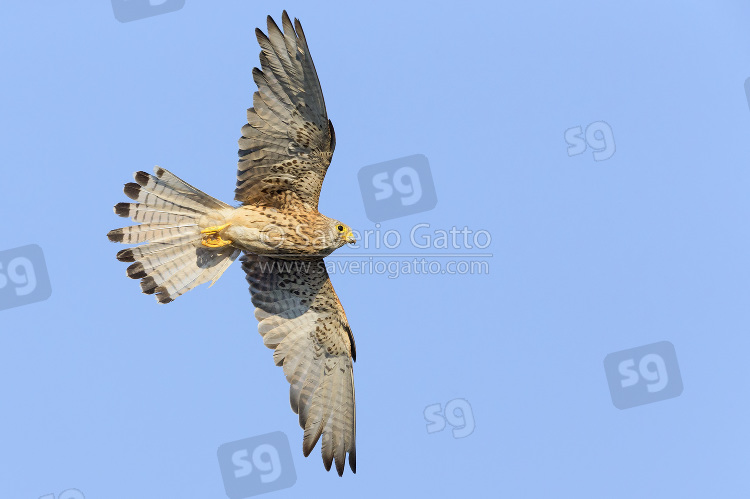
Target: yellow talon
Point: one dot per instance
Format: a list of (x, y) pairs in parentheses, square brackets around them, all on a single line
[(212, 239)]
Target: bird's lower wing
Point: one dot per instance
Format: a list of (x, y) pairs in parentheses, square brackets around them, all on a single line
[(302, 319)]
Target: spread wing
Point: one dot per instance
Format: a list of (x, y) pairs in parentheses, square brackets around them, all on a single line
[(302, 319), (288, 141)]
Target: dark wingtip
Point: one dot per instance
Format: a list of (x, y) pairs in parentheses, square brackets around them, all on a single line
[(126, 255), (116, 235), (300, 32), (132, 190), (122, 209), (136, 271), (159, 171), (270, 22), (142, 178), (353, 462)]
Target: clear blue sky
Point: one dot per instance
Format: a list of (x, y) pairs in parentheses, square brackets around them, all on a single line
[(109, 393)]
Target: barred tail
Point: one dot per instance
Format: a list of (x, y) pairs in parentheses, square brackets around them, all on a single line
[(173, 261)]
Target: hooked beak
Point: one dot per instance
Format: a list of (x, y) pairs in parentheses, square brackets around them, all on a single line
[(350, 238)]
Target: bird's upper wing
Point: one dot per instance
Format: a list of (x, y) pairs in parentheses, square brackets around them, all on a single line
[(302, 319), (287, 143)]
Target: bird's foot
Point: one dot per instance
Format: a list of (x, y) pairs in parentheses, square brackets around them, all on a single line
[(211, 237)]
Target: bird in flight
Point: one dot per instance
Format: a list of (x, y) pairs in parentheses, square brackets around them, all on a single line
[(188, 238)]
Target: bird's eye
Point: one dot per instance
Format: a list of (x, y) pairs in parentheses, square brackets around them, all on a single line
[(340, 228)]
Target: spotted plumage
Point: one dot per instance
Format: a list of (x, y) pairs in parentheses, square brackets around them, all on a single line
[(188, 238)]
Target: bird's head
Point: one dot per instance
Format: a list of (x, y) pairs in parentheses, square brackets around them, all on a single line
[(343, 233)]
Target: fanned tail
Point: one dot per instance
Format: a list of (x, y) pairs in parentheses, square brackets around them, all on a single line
[(173, 261)]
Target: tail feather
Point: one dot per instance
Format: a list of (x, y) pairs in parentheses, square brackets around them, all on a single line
[(213, 266), (137, 193), (146, 214), (133, 254), (136, 234), (163, 273), (180, 185), (151, 263), (173, 260), (168, 187)]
